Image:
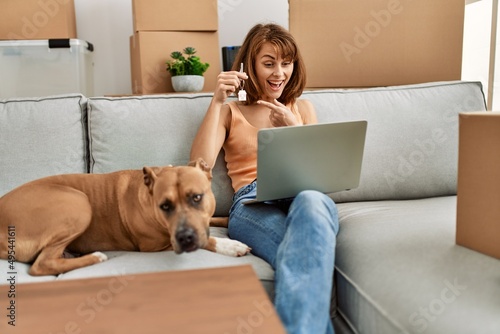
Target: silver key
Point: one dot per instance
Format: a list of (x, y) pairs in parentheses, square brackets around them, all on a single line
[(242, 95)]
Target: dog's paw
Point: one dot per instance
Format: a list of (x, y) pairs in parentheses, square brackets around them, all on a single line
[(231, 247), (101, 256)]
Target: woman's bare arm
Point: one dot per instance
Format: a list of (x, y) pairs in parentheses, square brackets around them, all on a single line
[(212, 132)]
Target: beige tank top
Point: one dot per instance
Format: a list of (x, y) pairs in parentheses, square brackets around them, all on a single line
[(240, 148)]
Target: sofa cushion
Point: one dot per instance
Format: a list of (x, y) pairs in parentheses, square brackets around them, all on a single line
[(133, 132), (127, 263), (411, 148), (41, 137), (398, 270), (130, 263)]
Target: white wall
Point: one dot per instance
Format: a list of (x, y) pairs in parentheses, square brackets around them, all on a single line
[(477, 32), (108, 24)]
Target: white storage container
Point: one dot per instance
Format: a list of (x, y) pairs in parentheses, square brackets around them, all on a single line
[(32, 68)]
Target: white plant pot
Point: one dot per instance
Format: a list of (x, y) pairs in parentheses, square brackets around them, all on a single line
[(188, 83)]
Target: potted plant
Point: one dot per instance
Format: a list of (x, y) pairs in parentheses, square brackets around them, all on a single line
[(186, 70)]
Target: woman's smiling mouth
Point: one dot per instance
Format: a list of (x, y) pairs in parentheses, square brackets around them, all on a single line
[(275, 85)]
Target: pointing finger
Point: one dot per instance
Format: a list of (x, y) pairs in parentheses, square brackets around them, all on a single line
[(267, 104)]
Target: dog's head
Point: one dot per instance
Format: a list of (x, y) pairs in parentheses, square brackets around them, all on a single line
[(183, 201)]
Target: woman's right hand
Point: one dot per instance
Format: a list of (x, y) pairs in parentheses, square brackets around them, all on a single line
[(227, 83)]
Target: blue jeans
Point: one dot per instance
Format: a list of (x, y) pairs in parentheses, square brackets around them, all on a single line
[(297, 238)]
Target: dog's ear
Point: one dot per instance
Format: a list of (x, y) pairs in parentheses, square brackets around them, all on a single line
[(201, 164), (149, 177)]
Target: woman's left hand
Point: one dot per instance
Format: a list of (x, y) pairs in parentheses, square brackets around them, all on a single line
[(279, 115)]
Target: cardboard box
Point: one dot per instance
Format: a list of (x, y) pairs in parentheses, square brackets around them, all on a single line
[(175, 15), (366, 43), (37, 19), (149, 52), (478, 190)]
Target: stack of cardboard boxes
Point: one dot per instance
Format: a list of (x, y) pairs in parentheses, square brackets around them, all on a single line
[(164, 26)]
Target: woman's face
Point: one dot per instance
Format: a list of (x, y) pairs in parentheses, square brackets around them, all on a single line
[(273, 72)]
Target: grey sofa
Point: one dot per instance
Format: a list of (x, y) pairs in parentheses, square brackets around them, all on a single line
[(398, 269)]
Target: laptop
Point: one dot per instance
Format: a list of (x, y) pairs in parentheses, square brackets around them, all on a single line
[(326, 157)]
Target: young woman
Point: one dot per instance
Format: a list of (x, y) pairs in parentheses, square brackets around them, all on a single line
[(297, 237)]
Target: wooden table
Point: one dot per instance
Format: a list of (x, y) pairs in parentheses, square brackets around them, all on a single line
[(222, 300)]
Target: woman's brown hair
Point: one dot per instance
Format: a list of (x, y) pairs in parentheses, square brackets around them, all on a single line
[(285, 46)]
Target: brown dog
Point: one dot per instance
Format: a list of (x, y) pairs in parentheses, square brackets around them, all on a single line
[(155, 209)]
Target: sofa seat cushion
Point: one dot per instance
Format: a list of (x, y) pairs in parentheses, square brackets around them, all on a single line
[(130, 263), (398, 270), (41, 137)]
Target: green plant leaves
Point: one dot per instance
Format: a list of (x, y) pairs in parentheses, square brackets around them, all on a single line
[(190, 65)]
